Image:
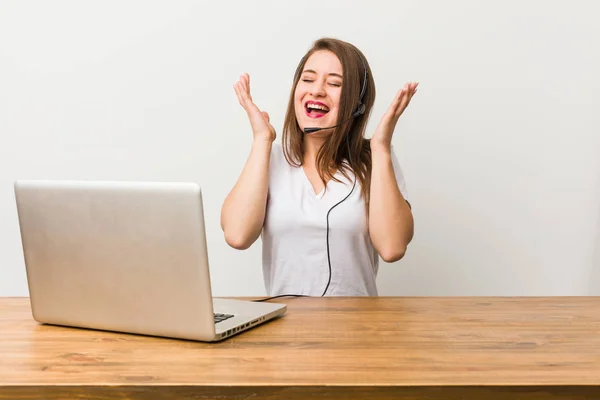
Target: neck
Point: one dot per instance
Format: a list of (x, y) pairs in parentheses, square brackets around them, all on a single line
[(312, 145)]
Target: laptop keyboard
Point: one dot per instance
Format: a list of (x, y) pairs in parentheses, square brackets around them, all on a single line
[(222, 317)]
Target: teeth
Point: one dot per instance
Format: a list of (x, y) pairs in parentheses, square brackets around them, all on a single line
[(317, 107)]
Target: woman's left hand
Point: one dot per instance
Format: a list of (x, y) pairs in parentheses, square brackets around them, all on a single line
[(382, 138)]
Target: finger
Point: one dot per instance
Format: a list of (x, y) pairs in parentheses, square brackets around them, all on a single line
[(411, 90), (398, 99), (393, 108), (412, 94), (402, 97), (246, 82), (242, 96), (408, 94), (414, 90), (403, 102), (240, 83), (247, 86), (244, 92), (238, 93), (404, 91), (400, 94), (243, 82)]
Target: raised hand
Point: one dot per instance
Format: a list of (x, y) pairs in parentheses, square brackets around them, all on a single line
[(383, 134), (259, 120)]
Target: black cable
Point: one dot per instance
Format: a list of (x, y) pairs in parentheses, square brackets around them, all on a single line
[(327, 237), (328, 256), (282, 295), (360, 110)]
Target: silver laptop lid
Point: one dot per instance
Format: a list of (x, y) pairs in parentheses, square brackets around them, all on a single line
[(123, 256)]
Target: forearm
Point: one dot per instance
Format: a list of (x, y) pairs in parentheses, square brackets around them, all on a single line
[(243, 211), (390, 217)]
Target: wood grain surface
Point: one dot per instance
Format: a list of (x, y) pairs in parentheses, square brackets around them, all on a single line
[(381, 347)]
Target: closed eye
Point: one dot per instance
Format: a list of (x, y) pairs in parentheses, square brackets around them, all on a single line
[(334, 84)]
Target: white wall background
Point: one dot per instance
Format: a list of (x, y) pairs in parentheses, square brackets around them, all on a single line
[(500, 146)]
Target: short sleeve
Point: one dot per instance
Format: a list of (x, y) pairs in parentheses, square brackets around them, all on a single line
[(276, 153), (276, 164), (399, 175)]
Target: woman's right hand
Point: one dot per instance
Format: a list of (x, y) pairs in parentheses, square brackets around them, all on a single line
[(259, 120)]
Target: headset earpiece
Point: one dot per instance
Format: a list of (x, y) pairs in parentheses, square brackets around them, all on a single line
[(360, 110)]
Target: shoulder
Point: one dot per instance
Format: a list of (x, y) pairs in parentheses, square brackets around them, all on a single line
[(277, 151), (278, 156), (279, 168), (277, 160)]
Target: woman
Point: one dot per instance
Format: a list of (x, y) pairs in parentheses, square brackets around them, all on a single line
[(328, 202)]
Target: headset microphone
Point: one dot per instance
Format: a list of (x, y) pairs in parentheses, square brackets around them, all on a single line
[(361, 110), (311, 130)]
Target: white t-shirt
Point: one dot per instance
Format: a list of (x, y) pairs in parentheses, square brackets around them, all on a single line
[(294, 237)]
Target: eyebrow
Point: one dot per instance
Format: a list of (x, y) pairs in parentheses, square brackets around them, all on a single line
[(331, 73)]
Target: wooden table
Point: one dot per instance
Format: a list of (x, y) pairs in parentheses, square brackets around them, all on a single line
[(333, 348)]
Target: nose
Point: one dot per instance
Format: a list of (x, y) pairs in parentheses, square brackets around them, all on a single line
[(318, 88)]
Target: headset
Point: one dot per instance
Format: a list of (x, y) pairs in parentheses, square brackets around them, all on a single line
[(360, 110)]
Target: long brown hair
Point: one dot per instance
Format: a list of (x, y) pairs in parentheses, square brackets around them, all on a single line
[(345, 149)]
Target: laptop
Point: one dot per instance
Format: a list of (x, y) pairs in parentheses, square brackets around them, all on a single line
[(127, 257)]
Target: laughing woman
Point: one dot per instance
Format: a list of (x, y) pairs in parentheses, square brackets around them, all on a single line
[(328, 202)]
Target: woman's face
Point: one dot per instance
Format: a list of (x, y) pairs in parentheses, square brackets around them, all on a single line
[(317, 94)]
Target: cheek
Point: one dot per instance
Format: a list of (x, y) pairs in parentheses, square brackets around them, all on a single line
[(298, 100), (335, 102), (335, 99), (298, 94)]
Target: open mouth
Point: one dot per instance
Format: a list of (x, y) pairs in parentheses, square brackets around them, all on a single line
[(315, 109)]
